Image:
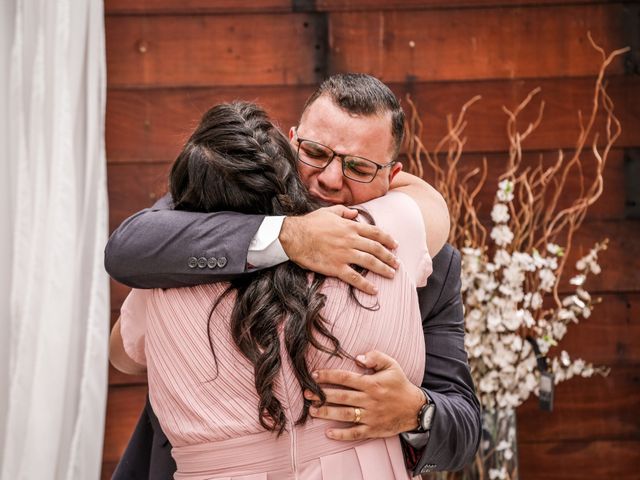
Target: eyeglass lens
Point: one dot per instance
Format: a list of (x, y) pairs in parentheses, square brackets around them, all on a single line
[(319, 156)]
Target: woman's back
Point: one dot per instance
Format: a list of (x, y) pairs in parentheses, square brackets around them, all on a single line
[(208, 408)]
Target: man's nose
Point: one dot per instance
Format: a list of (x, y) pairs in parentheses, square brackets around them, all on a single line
[(331, 177)]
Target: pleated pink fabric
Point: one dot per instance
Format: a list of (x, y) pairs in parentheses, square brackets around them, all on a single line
[(209, 411)]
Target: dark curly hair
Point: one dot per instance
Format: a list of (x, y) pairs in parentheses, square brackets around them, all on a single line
[(237, 160)]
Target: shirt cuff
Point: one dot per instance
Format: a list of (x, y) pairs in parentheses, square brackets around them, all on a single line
[(265, 249), (416, 440)]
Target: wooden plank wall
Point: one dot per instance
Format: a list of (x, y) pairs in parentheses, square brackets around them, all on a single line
[(169, 60)]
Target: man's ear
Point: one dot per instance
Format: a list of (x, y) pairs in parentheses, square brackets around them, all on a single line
[(292, 132), (396, 168)]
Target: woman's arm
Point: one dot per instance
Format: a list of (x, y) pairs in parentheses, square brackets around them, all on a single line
[(119, 357), (432, 205)]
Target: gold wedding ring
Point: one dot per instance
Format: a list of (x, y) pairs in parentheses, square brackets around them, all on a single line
[(358, 414)]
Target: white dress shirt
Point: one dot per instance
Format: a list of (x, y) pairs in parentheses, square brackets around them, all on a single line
[(265, 249)]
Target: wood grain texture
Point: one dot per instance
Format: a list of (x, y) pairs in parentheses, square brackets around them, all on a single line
[(180, 7), (442, 45), (563, 99), (610, 336), (152, 125), (290, 49), (580, 460), (621, 262), (359, 5), (133, 187), (214, 50), (593, 409)]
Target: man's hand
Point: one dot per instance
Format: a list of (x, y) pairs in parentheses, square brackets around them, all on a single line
[(328, 241), (389, 403)]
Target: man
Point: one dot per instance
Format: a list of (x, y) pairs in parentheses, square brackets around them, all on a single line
[(347, 141)]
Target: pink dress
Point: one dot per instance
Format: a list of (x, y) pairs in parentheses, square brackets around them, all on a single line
[(212, 421)]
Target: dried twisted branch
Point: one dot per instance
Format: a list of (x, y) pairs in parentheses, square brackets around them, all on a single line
[(539, 214)]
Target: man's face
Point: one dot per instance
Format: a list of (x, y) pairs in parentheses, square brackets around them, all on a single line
[(363, 136)]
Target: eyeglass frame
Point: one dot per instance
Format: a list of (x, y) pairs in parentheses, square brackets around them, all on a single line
[(341, 156)]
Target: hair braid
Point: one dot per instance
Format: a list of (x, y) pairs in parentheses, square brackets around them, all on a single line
[(238, 160)]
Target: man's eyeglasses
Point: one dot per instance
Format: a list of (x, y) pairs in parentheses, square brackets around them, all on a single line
[(358, 169)]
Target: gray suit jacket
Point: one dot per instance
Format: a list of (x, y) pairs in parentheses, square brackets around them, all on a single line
[(155, 248)]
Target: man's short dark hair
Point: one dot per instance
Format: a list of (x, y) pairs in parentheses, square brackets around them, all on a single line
[(362, 94)]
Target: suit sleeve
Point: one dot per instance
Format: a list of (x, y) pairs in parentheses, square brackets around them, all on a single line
[(159, 247), (455, 432)]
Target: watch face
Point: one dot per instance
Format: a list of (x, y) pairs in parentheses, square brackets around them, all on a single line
[(427, 416)]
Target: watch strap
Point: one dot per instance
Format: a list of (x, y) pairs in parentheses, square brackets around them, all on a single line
[(425, 415)]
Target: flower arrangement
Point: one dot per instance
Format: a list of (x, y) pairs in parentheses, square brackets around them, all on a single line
[(512, 269), (504, 297)]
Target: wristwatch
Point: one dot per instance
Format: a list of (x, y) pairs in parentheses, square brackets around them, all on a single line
[(425, 415)]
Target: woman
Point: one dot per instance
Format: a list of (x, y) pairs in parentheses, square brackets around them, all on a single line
[(227, 363)]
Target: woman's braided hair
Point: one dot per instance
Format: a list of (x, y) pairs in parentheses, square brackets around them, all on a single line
[(237, 160)]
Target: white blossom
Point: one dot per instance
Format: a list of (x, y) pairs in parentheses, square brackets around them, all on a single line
[(513, 275), (502, 235), (503, 445), (505, 191), (578, 279), (501, 258), (524, 261), (544, 345), (554, 249), (547, 279), (494, 321), (536, 300), (498, 474), (514, 321), (500, 213), (566, 315), (559, 330), (583, 294), (528, 319)]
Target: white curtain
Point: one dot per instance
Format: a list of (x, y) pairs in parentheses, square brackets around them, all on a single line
[(54, 298)]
